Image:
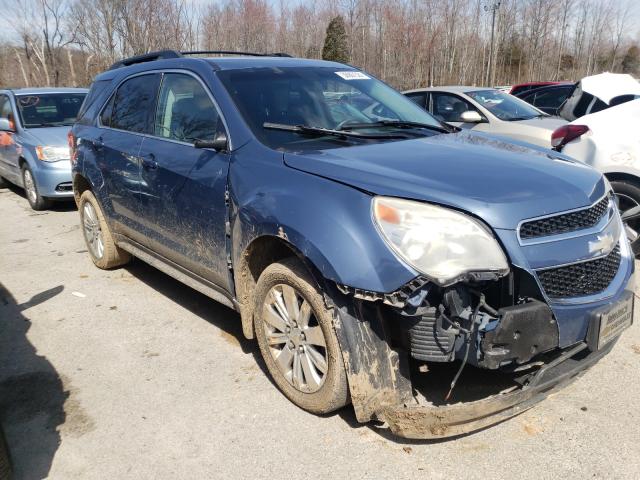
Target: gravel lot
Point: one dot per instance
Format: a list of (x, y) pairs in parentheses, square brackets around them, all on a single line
[(129, 374)]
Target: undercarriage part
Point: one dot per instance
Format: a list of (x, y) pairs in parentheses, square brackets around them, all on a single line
[(520, 333), (429, 341)]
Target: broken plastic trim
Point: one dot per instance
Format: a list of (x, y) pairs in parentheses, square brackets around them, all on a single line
[(397, 299), (410, 291)]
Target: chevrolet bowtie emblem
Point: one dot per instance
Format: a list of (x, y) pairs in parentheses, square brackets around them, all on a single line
[(603, 244)]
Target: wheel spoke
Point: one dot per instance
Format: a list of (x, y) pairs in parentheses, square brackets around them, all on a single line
[(284, 359), (275, 338), (311, 377), (314, 336), (317, 359), (273, 318), (297, 375), (304, 315), (278, 302), (291, 302)]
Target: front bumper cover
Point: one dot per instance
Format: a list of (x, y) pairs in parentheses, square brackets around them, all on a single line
[(380, 379), (430, 422)]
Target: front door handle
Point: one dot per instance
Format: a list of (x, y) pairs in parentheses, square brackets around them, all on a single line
[(149, 162)]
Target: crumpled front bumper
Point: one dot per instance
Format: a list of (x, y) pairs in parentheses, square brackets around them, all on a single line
[(430, 422), (382, 387)]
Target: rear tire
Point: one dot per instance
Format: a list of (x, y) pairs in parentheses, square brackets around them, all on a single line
[(103, 251), (37, 201), (299, 347), (628, 195), (3, 183)]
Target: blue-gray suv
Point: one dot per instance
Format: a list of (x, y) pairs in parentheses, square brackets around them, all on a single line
[(438, 280), (34, 151)]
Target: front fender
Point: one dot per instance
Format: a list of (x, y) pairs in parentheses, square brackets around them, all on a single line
[(329, 223)]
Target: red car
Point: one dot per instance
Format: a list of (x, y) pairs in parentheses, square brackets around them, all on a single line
[(524, 87)]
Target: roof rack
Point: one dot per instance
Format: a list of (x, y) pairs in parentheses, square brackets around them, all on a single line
[(232, 52), (166, 54), (146, 57)]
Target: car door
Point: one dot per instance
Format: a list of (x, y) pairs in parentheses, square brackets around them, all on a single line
[(124, 121), (9, 149), (449, 107), (183, 187)]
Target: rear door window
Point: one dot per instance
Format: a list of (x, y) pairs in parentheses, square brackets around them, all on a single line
[(449, 108), (185, 111), (551, 98), (418, 98), (133, 105)]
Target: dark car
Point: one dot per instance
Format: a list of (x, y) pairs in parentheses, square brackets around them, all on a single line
[(527, 87), (360, 251), (549, 99)]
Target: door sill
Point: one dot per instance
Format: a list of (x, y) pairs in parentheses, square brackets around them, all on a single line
[(174, 270)]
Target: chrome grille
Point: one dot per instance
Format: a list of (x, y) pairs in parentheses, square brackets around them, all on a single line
[(565, 222), (581, 279)]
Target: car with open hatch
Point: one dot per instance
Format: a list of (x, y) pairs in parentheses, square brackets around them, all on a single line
[(34, 154), (378, 256)]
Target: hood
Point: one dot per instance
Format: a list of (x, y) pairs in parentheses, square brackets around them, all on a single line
[(499, 182), (53, 136)]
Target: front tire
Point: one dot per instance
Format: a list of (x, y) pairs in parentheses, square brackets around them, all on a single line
[(297, 340), (628, 196), (103, 251), (37, 201)]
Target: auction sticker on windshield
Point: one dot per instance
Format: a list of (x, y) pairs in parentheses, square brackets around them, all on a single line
[(615, 321), (350, 75)]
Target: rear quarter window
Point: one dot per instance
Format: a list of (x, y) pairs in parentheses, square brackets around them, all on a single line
[(97, 88)]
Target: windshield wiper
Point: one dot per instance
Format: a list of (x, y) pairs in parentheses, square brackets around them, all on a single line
[(398, 124), (321, 132)]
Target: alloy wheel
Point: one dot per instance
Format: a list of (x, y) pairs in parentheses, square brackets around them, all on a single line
[(295, 339), (30, 187), (92, 230), (625, 202)]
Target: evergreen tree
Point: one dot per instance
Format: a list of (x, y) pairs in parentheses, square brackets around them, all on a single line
[(631, 60), (335, 43)]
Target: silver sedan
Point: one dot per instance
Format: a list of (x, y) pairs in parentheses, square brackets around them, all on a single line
[(488, 110)]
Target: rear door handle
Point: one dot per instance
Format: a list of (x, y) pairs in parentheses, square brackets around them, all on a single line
[(149, 162)]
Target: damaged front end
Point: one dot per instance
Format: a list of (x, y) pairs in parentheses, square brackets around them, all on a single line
[(435, 361)]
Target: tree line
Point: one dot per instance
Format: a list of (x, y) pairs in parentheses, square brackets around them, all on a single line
[(408, 43)]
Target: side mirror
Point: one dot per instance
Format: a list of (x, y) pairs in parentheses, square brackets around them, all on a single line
[(471, 116), (6, 125), (219, 143)]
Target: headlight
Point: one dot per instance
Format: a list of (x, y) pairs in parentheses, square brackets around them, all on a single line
[(443, 244), (52, 154)]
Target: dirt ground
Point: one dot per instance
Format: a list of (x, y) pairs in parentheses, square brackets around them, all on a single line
[(129, 374)]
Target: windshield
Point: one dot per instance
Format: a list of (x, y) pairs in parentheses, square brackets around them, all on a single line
[(320, 97), (49, 109), (504, 106)]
